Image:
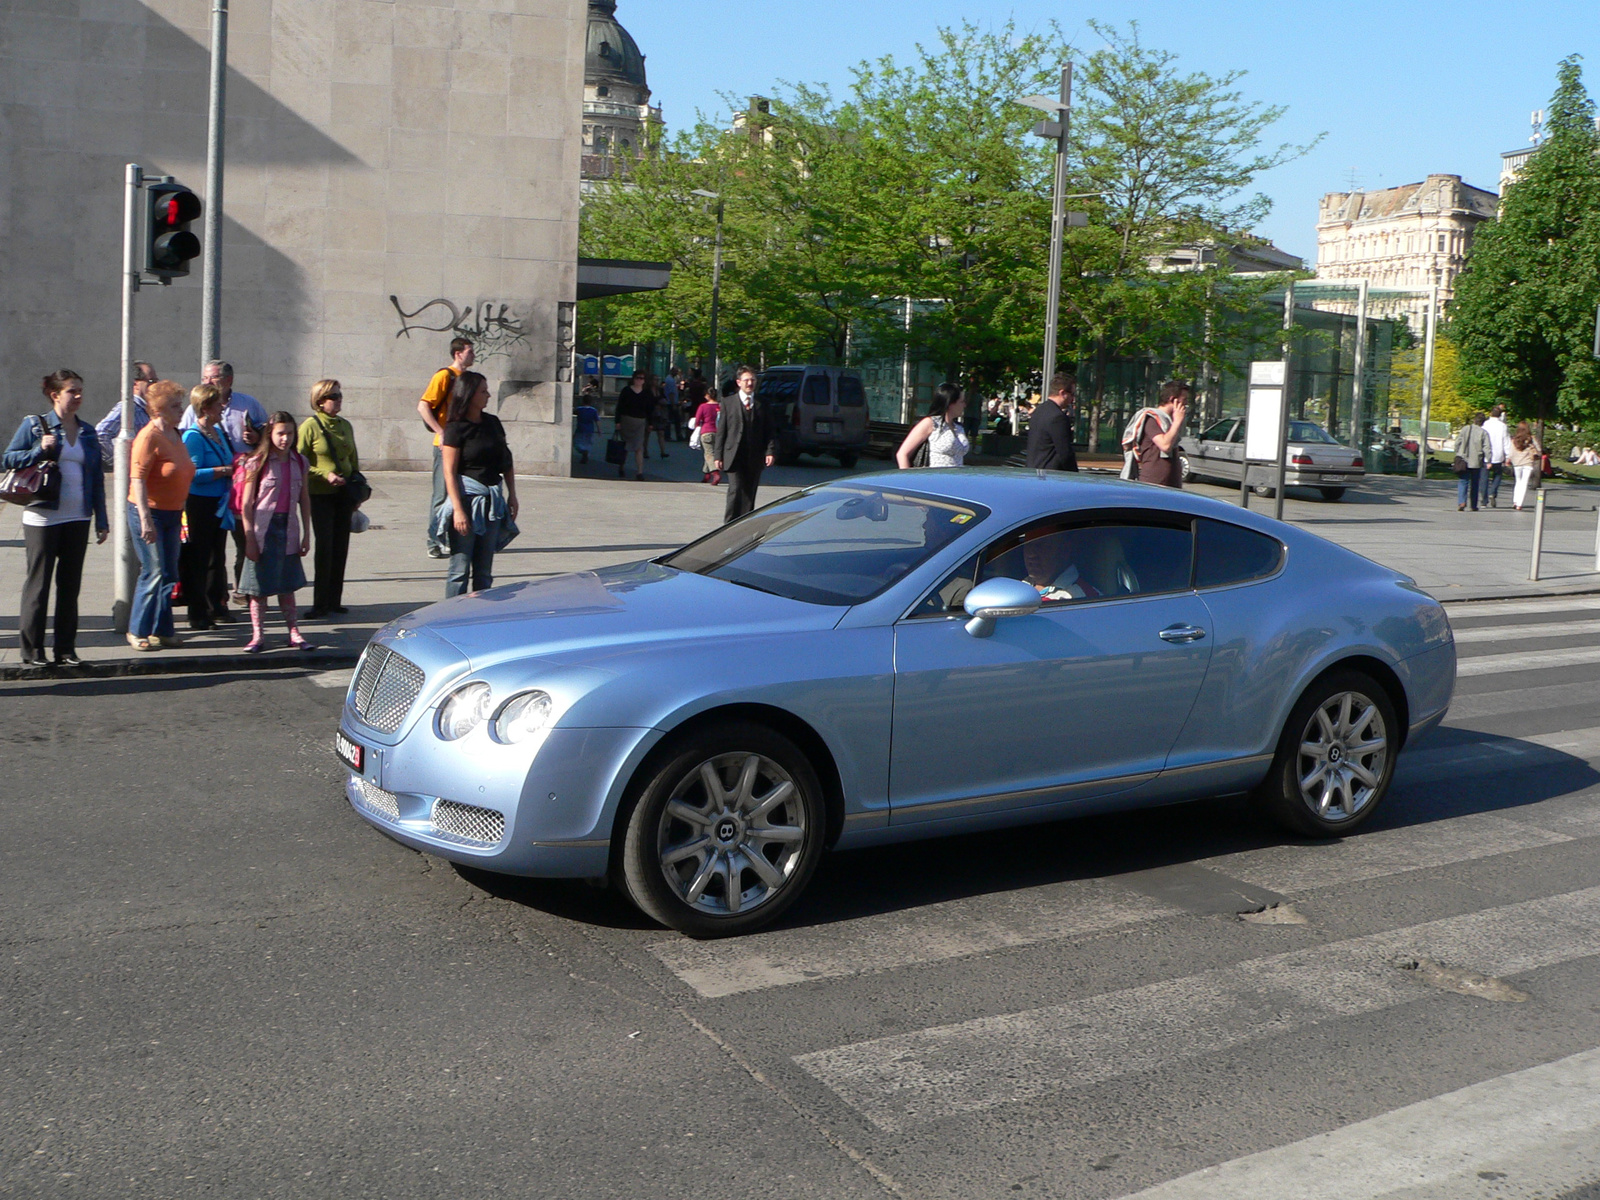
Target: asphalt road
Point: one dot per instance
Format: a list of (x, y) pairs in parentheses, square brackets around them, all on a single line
[(218, 981)]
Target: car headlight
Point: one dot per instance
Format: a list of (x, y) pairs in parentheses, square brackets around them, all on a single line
[(523, 716), (464, 710)]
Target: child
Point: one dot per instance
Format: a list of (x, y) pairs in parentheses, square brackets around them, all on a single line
[(275, 538), (585, 419)]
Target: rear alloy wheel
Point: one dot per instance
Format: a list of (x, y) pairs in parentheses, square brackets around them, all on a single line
[(1185, 472), (726, 834), (1335, 759), (1332, 493)]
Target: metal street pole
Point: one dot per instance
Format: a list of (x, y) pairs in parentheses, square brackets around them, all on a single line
[(1358, 388), (1283, 403), (1427, 379), (716, 301), (1058, 233), (211, 277), (121, 538)]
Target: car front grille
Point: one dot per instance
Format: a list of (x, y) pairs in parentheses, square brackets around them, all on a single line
[(375, 800), (386, 687), (467, 823)]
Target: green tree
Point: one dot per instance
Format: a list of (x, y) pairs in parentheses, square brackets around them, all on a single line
[(1451, 399), (1524, 309)]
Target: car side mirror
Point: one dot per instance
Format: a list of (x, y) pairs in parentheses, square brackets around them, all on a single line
[(995, 598)]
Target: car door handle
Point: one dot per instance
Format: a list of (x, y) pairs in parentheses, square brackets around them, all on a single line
[(1181, 633)]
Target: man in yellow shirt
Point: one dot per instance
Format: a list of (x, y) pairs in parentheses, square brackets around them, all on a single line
[(434, 407)]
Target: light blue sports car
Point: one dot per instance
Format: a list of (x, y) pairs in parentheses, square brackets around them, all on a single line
[(885, 657)]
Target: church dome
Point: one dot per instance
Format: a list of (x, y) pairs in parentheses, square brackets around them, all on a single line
[(612, 56)]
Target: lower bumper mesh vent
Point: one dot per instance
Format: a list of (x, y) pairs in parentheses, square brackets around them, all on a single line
[(375, 800), (467, 823)]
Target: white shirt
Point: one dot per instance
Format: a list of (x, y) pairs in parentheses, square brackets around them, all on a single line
[(1499, 439), (74, 505)]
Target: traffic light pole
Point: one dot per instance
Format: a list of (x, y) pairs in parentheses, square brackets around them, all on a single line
[(121, 536), (211, 276)]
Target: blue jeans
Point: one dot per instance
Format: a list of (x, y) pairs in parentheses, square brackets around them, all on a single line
[(1491, 485), (158, 571), (471, 555), (1473, 480), (437, 496)]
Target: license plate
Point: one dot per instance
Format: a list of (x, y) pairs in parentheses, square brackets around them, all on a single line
[(1333, 479), (351, 754), (823, 426)]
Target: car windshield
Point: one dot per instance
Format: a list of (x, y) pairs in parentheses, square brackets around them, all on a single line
[(831, 545), (1309, 431)]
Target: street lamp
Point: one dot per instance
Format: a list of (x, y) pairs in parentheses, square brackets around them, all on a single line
[(1057, 129), (716, 288)]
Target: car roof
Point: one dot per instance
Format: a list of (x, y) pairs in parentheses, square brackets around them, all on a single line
[(1015, 492)]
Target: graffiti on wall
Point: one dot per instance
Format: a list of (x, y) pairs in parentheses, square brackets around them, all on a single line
[(494, 330)]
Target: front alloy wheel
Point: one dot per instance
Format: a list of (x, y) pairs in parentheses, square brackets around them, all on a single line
[(726, 834), (1335, 759)]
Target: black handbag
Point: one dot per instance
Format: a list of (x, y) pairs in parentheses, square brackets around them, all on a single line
[(358, 489), (616, 451), (40, 482), (1459, 465)]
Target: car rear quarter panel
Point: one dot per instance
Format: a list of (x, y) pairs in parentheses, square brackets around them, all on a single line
[(1275, 636)]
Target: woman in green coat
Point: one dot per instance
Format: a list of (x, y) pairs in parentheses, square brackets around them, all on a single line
[(329, 444)]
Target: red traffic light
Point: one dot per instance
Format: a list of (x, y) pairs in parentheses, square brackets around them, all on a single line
[(177, 209), (168, 244)]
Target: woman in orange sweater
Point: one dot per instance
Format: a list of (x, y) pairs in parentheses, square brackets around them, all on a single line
[(161, 470)]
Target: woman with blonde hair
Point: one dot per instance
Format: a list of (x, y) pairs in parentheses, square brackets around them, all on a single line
[(203, 562), (328, 443), (161, 471)]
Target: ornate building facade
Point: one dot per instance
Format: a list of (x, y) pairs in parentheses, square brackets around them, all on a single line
[(619, 123), (1410, 237)]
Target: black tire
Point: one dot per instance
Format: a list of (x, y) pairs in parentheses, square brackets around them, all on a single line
[(1284, 796), (1332, 493), (1262, 489), (730, 834), (848, 459), (1185, 471)]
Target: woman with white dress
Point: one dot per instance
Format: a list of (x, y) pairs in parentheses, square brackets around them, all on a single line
[(941, 431)]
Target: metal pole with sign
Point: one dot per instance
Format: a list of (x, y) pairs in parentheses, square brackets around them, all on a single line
[(1283, 420), (1427, 380), (1262, 436), (211, 277)]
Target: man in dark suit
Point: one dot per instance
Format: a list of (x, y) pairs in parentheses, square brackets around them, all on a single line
[(744, 444), (1050, 431)]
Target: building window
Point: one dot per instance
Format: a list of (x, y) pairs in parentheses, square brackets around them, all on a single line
[(1441, 243), (602, 90)]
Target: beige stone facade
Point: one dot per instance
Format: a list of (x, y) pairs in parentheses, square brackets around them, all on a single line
[(1407, 237), (397, 170)]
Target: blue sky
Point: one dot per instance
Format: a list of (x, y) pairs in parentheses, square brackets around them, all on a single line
[(1401, 89)]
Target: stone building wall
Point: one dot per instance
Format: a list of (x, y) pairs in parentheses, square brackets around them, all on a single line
[(385, 157)]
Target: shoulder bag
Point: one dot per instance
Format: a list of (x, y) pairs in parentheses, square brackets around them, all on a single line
[(40, 481), (355, 483)]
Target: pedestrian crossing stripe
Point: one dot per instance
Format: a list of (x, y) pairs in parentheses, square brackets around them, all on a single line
[(1516, 633), (1531, 1133), (1466, 610), (1525, 660), (970, 1066)]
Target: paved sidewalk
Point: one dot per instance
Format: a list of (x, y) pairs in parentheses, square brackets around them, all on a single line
[(595, 519)]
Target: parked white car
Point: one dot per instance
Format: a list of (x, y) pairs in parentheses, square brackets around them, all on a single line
[(1315, 458)]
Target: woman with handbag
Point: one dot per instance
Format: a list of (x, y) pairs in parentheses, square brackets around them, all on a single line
[(338, 488), (55, 526), (203, 561), (1524, 459), (939, 439), (161, 471), (706, 415)]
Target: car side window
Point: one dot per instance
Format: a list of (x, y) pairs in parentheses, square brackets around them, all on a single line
[(1218, 432), (1238, 433), (1068, 559), (1227, 553), (816, 390), (951, 593)]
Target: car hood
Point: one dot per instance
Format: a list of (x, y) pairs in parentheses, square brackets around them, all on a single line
[(572, 617)]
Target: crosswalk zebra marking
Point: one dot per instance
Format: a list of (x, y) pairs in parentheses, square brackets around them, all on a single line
[(970, 1066), (1515, 633), (1525, 660), (935, 933), (1531, 1133), (1465, 610)]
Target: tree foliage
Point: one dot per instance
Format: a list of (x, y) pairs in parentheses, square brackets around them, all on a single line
[(924, 182), (1524, 309), (1452, 398)]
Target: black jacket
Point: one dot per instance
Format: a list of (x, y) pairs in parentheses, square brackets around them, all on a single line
[(1050, 433), (743, 436)]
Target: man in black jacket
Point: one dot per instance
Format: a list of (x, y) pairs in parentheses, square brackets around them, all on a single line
[(1050, 431), (743, 444)]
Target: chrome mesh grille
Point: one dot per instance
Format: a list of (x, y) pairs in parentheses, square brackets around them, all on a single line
[(386, 687), (375, 799), (466, 823)]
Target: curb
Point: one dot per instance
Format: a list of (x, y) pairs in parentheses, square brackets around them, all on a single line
[(1582, 589), (179, 665)]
